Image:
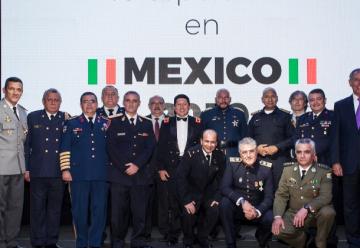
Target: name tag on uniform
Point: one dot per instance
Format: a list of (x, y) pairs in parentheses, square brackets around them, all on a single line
[(37, 126), (143, 134), (120, 134)]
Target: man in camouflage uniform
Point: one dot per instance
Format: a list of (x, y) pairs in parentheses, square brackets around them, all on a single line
[(303, 198)]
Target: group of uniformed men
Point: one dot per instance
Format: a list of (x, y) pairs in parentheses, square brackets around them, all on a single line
[(276, 171)]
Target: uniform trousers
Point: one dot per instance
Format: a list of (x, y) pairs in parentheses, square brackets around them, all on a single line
[(296, 237), (204, 219), (149, 211), (229, 213), (128, 201), (168, 210), (11, 207), (46, 196), (89, 196)]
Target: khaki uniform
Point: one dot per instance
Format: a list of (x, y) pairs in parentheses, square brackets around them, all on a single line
[(293, 193)]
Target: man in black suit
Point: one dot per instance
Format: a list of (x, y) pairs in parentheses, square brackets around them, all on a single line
[(177, 135), (198, 183), (110, 99), (156, 107), (346, 156), (130, 144)]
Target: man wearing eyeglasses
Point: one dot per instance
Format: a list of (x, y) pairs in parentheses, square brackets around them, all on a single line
[(83, 162)]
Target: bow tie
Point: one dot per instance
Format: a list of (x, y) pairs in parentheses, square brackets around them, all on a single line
[(181, 118)]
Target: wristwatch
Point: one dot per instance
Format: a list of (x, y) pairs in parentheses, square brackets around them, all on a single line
[(308, 208)]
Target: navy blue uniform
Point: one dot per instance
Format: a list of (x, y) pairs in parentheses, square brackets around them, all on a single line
[(168, 158), (42, 148), (83, 153), (198, 180), (127, 143), (101, 111), (319, 130), (230, 125), (253, 184), (273, 129)]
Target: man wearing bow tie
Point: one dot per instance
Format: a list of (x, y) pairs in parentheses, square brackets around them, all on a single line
[(177, 135), (110, 99), (130, 144), (83, 162), (13, 130), (198, 184)]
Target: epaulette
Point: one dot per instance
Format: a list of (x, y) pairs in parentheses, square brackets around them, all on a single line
[(253, 113), (289, 164), (323, 166), (22, 107), (284, 110), (67, 116), (239, 109), (235, 159), (166, 120), (73, 117), (265, 163), (145, 117), (191, 153), (197, 120), (117, 115)]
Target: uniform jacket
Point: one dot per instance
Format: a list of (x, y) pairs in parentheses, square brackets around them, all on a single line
[(42, 144), (168, 150), (254, 184), (198, 181), (12, 137), (273, 129), (319, 130), (127, 143), (83, 149), (293, 193), (346, 145), (230, 125), (101, 111)]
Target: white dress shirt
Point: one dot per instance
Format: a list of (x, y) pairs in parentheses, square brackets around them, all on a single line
[(182, 132)]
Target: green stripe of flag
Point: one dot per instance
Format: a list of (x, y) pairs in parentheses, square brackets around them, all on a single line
[(293, 71), (92, 71)]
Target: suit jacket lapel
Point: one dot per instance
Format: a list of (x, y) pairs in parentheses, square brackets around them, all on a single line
[(190, 130), (173, 129), (351, 112)]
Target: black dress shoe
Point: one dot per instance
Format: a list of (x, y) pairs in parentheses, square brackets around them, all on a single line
[(188, 246), (38, 246), (18, 246)]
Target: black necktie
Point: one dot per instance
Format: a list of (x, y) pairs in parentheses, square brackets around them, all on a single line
[(14, 108), (51, 117), (132, 121), (208, 158), (111, 111), (181, 118), (303, 172), (91, 122), (314, 116)]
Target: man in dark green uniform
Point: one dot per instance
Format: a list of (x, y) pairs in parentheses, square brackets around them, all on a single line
[(303, 198)]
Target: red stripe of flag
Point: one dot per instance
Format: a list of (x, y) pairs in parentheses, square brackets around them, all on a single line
[(110, 71), (311, 71)]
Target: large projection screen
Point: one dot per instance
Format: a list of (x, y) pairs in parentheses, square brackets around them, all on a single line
[(167, 47)]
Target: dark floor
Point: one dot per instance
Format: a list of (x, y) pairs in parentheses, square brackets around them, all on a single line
[(67, 239)]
